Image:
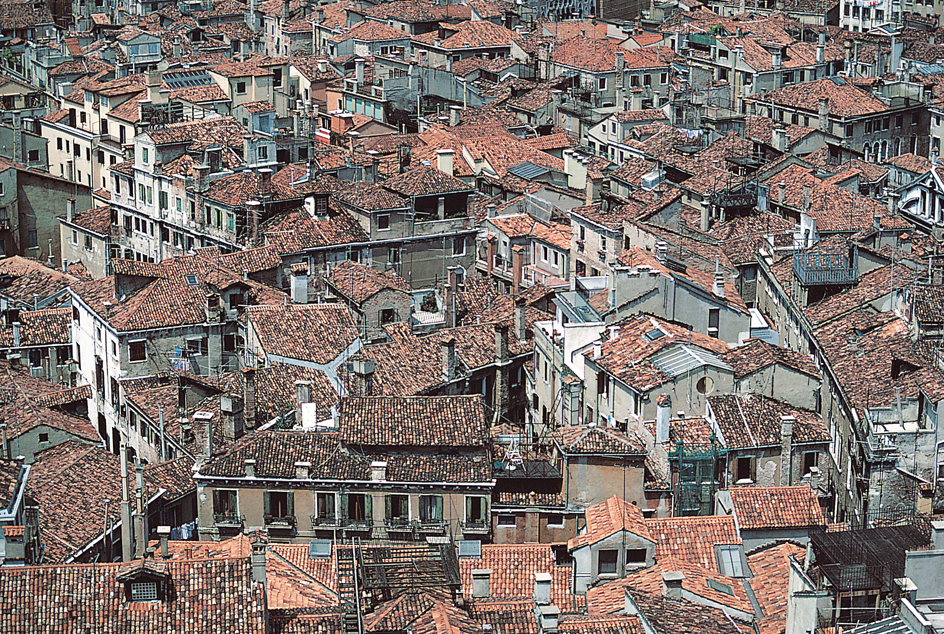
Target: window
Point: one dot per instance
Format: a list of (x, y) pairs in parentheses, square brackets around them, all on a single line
[(162, 199), (144, 591), (224, 505), (636, 556), (582, 233), (898, 121), (75, 237), (507, 520), (32, 156), (458, 247), (144, 155), (278, 506), (88, 243), (325, 507), (810, 460), (714, 317), (601, 83), (59, 143), (849, 130), (388, 316), (240, 88), (33, 239), (431, 508), (744, 469), (393, 255), (44, 437), (603, 243), (607, 560), (555, 519), (137, 351), (197, 347), (398, 510), (356, 508), (476, 510), (263, 152), (664, 78)]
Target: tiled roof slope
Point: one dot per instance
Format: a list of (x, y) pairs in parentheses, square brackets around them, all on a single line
[(359, 282), (597, 440), (22, 278), (425, 180), (471, 34), (770, 582), (276, 453), (754, 420), (513, 568), (874, 285), (608, 518), (599, 624), (845, 100), (416, 421), (759, 508), (97, 219), (756, 355), (205, 595), (316, 333), (41, 328), (9, 475), (692, 539), (27, 403)]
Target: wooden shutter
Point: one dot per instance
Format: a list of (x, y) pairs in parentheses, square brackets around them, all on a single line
[(290, 503), (439, 508), (388, 500), (344, 506), (267, 510), (368, 508)]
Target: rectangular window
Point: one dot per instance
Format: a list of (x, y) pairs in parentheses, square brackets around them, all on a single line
[(714, 318), (601, 83), (224, 505), (137, 350), (240, 88), (144, 155), (507, 520), (810, 460), (458, 247), (141, 191), (393, 255), (325, 507), (383, 222), (263, 152), (162, 198), (431, 508), (476, 510), (636, 556), (278, 506), (607, 561), (150, 195), (59, 143), (33, 239), (555, 520), (75, 237), (744, 470), (197, 347), (356, 508), (144, 591), (397, 510)]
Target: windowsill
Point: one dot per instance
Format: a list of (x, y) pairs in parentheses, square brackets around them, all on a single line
[(744, 481)]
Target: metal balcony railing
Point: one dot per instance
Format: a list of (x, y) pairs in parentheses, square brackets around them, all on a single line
[(228, 519), (817, 266), (276, 521)]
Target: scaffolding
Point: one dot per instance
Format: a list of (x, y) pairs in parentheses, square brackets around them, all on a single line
[(697, 469)]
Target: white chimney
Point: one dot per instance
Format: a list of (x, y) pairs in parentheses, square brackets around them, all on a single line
[(378, 471), (302, 470), (359, 71), (663, 414), (444, 161), (672, 585), (717, 287), (480, 582), (576, 170), (542, 588), (250, 466)]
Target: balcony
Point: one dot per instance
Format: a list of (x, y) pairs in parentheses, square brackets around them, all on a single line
[(351, 524), (433, 527), (285, 523), (327, 522), (398, 524), (477, 527), (819, 266), (230, 520)]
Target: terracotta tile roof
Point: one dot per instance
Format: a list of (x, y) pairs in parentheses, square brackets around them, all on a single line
[(520, 498), (874, 285), (738, 237), (425, 180), (482, 301), (21, 15), (648, 582), (444, 618), (72, 482), (599, 55), (754, 420), (692, 539), (418, 421), (845, 100), (597, 440), (257, 107), (412, 11), (513, 568), (470, 34), (26, 403), (323, 571), (371, 31), (608, 518), (251, 260), (10, 532), (40, 328), (910, 163), (22, 278), (646, 114), (207, 594), (928, 303), (760, 508), (276, 453), (326, 330), (770, 582), (371, 197), (297, 231), (9, 476), (240, 69), (668, 616), (756, 354), (97, 219), (202, 132), (599, 624), (360, 282), (289, 587)]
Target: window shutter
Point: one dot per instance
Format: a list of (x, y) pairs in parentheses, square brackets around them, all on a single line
[(290, 503), (439, 508), (388, 500), (265, 504), (344, 506), (468, 508), (368, 508)]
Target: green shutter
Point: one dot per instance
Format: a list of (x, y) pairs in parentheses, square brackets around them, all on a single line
[(344, 506), (368, 508), (388, 501), (468, 508), (439, 508), (290, 503), (265, 503)]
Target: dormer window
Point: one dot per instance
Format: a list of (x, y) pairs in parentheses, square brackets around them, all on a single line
[(144, 591)]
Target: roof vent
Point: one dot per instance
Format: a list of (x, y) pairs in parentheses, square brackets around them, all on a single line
[(202, 415)]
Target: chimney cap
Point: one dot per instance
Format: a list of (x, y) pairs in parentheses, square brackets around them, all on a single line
[(674, 576), (543, 577), (163, 530)]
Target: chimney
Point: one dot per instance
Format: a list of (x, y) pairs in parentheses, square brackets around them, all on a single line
[(258, 559), (153, 80), (806, 198), (542, 588), (249, 397), (176, 46), (672, 585), (548, 618), (594, 187), (231, 411), (266, 177), (786, 449), (480, 581), (449, 296), (444, 159), (359, 71), (877, 221), (521, 322), (164, 533), (448, 347), (501, 343), (490, 253), (717, 286), (517, 266), (661, 249), (250, 466), (16, 334), (847, 50), (455, 114), (937, 535), (490, 210), (203, 430), (823, 111), (70, 208), (893, 203), (322, 63), (320, 17), (200, 173), (820, 48), (779, 139), (302, 393), (576, 170), (300, 283), (363, 370), (286, 11), (663, 415), (6, 443), (378, 471), (781, 192), (302, 470)]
